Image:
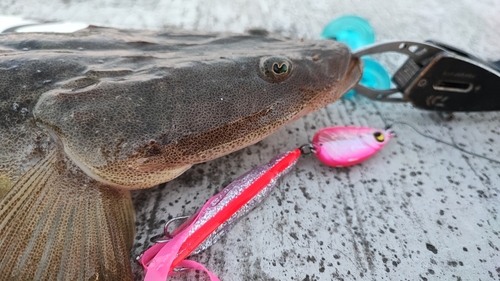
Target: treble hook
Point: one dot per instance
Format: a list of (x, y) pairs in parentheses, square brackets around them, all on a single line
[(166, 235)]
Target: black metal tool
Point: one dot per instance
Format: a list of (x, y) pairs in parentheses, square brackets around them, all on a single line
[(438, 77)]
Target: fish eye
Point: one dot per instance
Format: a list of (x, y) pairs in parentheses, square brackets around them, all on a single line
[(280, 69), (379, 136), (275, 69)]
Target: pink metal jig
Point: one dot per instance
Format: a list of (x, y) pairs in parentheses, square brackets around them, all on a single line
[(214, 219), (347, 146), (334, 146)]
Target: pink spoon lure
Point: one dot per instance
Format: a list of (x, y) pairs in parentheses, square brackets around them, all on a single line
[(334, 146), (347, 146)]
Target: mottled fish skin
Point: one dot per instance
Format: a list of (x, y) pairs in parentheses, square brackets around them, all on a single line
[(125, 109)]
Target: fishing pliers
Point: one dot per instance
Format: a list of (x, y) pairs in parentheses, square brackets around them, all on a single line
[(438, 77)]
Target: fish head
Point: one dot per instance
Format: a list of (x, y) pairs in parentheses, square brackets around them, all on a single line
[(147, 106)]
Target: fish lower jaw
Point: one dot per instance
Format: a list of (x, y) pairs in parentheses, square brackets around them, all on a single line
[(128, 177)]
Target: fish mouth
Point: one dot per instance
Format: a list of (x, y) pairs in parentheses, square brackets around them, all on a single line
[(350, 78)]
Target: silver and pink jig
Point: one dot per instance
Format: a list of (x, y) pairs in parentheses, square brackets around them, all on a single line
[(334, 146)]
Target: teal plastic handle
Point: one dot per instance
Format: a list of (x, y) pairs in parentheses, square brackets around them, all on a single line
[(356, 32)]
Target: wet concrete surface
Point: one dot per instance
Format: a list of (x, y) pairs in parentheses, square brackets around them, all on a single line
[(418, 210)]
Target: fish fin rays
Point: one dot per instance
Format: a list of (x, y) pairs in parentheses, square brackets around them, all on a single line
[(56, 223)]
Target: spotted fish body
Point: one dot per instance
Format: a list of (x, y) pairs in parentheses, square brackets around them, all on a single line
[(87, 116)]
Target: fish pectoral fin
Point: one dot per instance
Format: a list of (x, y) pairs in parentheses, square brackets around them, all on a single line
[(5, 185), (56, 223)]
